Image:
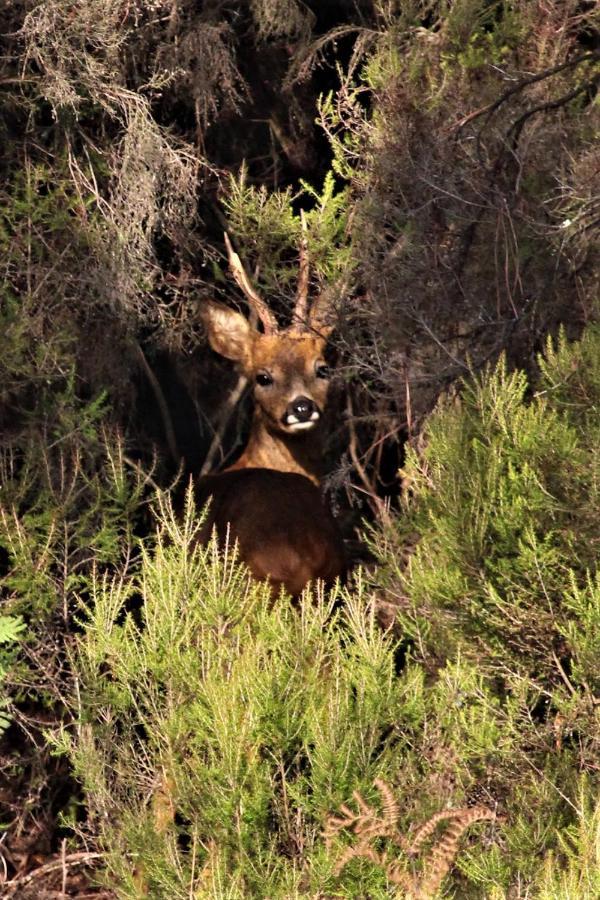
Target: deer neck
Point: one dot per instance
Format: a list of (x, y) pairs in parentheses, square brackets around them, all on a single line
[(269, 448)]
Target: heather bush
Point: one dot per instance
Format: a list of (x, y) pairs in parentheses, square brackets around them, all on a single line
[(155, 707), (217, 733), (466, 134), (494, 561)]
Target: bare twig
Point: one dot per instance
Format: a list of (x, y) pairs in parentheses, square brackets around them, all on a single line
[(301, 308), (223, 421), (491, 108), (365, 38), (65, 862), (162, 404), (517, 125), (377, 504)]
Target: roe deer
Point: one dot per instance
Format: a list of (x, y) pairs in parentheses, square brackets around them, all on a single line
[(269, 499)]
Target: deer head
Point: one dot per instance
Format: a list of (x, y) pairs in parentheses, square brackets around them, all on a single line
[(287, 369)]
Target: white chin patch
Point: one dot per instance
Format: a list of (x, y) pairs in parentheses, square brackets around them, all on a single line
[(294, 424), (299, 426)]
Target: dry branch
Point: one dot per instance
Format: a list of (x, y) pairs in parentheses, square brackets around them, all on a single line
[(56, 865), (224, 418), (517, 125), (301, 308), (162, 404), (491, 108)]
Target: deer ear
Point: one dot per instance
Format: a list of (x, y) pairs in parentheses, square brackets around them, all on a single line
[(229, 332), (323, 313)]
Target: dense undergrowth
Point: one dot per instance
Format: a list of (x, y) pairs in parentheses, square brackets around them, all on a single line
[(261, 720), (153, 705), (215, 733)]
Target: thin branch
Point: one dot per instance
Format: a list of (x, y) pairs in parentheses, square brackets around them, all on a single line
[(517, 126), (299, 315), (300, 70), (162, 404), (377, 504), (223, 421), (56, 865), (491, 108)]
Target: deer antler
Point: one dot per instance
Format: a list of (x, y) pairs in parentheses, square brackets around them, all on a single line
[(299, 316), (243, 282)]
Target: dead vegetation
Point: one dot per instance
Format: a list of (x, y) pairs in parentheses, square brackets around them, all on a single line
[(472, 213), (369, 825)]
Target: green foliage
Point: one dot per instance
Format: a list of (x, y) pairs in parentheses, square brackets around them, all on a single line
[(580, 847), (482, 34), (11, 631), (265, 225), (69, 504), (58, 463), (38, 210), (269, 233), (214, 731), (504, 500), (344, 132), (572, 871), (63, 513), (67, 500), (217, 730)]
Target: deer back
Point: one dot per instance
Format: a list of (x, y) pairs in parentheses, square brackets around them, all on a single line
[(285, 533)]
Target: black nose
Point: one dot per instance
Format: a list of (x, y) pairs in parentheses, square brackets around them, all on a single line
[(302, 408)]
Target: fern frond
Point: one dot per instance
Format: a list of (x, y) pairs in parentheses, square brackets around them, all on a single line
[(441, 857), (367, 825), (11, 629)]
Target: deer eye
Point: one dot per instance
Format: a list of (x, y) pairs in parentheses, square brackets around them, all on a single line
[(322, 371), (264, 379)]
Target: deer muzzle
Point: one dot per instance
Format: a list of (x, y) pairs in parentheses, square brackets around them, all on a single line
[(301, 414)]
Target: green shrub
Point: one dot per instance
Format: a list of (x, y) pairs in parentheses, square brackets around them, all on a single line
[(502, 525), (504, 500), (11, 631), (270, 234), (215, 733)]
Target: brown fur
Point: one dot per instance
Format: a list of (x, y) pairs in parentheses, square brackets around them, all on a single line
[(270, 497), (285, 533), (292, 360)]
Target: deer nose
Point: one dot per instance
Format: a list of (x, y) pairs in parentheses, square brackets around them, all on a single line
[(300, 410)]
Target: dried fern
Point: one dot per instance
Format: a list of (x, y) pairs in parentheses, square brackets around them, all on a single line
[(367, 824), (443, 853)]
